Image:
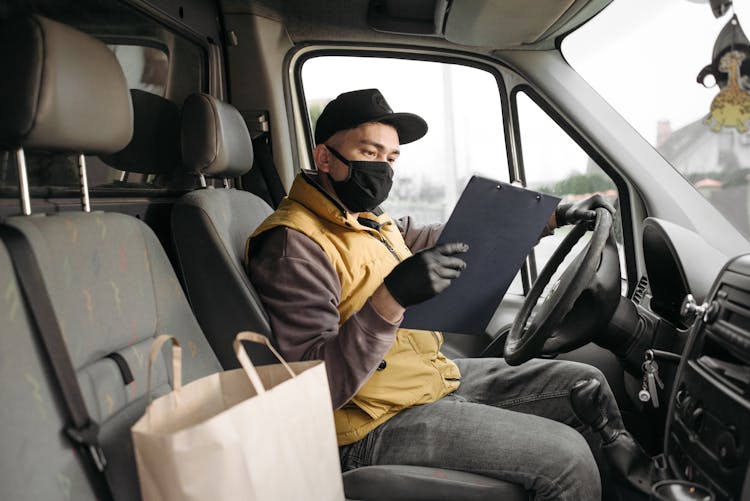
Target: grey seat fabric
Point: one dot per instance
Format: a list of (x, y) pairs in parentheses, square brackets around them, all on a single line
[(210, 229), (113, 290), (418, 483), (210, 226), (109, 280)]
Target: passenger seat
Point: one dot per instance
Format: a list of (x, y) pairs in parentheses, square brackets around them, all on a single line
[(110, 283), (210, 226)]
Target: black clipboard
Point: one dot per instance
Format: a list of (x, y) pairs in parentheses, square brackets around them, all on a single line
[(501, 223)]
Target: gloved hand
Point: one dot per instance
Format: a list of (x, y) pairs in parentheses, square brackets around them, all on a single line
[(425, 274), (581, 210)]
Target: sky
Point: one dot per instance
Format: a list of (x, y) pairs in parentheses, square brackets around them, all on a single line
[(465, 132), (648, 54), (642, 56)]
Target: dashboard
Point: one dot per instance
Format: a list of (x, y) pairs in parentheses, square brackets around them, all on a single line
[(678, 262), (707, 436)]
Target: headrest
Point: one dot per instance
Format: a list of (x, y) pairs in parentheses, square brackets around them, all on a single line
[(215, 140), (155, 147), (62, 90)]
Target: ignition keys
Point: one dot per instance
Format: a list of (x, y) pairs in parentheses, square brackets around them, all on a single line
[(652, 383)]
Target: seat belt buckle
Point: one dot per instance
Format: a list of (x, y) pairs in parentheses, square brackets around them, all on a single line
[(97, 455), (88, 438)]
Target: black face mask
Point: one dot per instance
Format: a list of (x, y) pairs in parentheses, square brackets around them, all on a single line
[(366, 186)]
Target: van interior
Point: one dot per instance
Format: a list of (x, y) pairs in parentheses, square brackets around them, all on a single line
[(143, 141)]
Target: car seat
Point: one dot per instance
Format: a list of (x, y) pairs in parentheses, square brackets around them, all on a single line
[(111, 286), (210, 228)]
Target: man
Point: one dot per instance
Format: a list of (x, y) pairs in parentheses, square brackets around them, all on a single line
[(335, 275)]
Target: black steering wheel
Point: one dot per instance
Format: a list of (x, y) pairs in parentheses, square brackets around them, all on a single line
[(581, 302)]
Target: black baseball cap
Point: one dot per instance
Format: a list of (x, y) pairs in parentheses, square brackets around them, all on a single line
[(354, 108)]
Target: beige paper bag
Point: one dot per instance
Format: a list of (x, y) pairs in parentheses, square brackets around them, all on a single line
[(258, 433)]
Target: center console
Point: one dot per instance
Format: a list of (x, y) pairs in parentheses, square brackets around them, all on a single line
[(708, 423)]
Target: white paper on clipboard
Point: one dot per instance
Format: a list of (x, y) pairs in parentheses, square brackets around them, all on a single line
[(500, 223)]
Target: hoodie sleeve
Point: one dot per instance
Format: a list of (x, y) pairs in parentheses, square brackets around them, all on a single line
[(301, 291), (418, 237)]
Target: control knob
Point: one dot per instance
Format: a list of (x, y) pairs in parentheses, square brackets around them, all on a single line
[(728, 449), (690, 310)]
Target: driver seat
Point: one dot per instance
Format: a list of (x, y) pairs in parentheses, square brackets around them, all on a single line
[(210, 227)]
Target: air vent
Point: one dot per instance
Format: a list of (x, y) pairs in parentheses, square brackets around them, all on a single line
[(731, 325), (640, 290)]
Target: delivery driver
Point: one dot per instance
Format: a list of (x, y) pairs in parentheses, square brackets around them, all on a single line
[(335, 274)]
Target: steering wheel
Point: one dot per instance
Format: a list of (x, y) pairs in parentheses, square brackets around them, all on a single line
[(580, 303)]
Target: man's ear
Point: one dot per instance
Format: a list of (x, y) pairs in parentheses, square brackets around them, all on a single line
[(322, 158)]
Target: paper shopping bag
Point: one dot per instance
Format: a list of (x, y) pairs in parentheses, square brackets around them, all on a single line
[(257, 433)]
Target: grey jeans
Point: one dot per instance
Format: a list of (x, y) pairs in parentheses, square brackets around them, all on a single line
[(509, 423)]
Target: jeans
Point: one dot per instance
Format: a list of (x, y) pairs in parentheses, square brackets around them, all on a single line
[(509, 423)]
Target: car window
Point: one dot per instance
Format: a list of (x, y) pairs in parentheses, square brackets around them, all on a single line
[(461, 106), (554, 163), (145, 68), (653, 82), (154, 59)]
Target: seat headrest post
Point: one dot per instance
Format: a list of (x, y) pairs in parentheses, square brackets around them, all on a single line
[(226, 183), (23, 182), (124, 176), (202, 179), (85, 204)]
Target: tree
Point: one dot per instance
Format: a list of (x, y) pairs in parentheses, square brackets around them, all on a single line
[(579, 184)]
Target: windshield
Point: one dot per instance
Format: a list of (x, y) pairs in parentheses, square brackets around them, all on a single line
[(645, 57)]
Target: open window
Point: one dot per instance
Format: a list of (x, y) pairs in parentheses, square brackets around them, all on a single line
[(552, 162), (467, 135), (462, 107)]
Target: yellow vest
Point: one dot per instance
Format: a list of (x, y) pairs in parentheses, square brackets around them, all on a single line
[(416, 372)]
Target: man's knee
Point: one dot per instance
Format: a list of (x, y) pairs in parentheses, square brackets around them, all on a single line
[(572, 470), (572, 372)]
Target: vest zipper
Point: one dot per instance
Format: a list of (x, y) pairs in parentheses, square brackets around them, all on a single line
[(387, 245)]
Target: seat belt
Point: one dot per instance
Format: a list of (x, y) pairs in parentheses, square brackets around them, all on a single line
[(263, 179), (254, 181), (82, 431), (264, 160)]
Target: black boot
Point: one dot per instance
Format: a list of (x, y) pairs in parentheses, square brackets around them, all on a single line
[(626, 458)]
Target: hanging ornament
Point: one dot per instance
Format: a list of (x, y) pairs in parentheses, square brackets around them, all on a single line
[(729, 68), (731, 107)]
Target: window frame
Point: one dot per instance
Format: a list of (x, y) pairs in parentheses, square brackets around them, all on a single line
[(302, 114), (385, 52), (304, 143), (593, 153)]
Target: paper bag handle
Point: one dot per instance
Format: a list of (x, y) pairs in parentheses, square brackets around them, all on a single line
[(176, 362), (245, 362)]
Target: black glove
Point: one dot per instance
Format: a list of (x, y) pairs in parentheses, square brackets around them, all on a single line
[(425, 274), (582, 210)]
